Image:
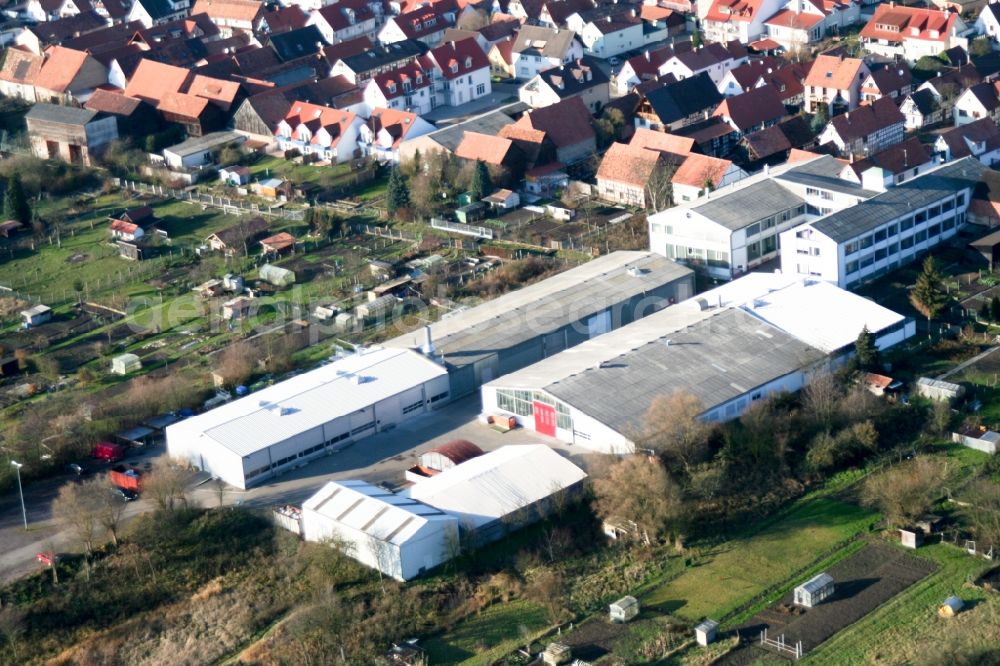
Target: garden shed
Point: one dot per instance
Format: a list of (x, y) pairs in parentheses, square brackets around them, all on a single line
[(556, 654), (935, 389), (911, 537), (951, 607), (126, 363), (624, 609), (705, 632), (279, 277), (812, 592), (36, 315)]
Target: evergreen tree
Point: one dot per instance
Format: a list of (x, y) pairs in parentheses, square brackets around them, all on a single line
[(397, 193), (986, 310), (15, 201), (928, 295), (820, 118), (995, 308), (865, 351), (482, 184)]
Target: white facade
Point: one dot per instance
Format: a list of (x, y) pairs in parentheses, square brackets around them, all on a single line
[(969, 108), (908, 223), (528, 65), (400, 537), (606, 45), (283, 426), (717, 29), (335, 149)]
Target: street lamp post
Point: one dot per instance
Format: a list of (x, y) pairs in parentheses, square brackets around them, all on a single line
[(20, 491)]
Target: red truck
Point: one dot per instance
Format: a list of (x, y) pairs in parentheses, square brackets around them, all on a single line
[(128, 478), (109, 452)]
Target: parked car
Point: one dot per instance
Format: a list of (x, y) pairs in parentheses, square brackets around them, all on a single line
[(128, 495), (75, 469)]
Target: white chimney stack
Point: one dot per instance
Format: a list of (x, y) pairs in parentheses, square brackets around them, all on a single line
[(428, 347)]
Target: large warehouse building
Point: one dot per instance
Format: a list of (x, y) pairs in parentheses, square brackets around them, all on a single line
[(249, 440), (398, 536), (529, 324), (728, 347)]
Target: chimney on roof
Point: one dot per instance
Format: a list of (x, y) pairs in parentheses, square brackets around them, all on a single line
[(453, 45)]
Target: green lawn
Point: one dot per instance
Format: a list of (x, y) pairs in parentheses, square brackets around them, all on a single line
[(481, 638), (907, 626), (276, 167), (738, 570)]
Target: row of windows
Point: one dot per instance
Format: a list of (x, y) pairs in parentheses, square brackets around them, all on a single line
[(716, 258), (822, 194), (409, 409), (774, 220), (368, 426), (904, 244), (521, 403), (907, 224), (439, 396), (301, 454)]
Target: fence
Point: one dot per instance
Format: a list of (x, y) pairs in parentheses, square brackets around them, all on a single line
[(228, 205), (459, 228), (780, 645)]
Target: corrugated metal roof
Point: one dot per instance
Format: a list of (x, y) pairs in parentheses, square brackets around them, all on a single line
[(545, 306), (375, 511), (498, 483), (309, 400), (741, 208), (926, 190)]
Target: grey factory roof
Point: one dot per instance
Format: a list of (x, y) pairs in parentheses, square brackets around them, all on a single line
[(489, 123), (744, 206), (546, 306), (824, 173), (925, 190), (717, 355), (199, 144), (66, 115)]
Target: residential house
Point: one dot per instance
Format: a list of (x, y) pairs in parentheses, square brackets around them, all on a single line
[(238, 237), (753, 110), (134, 117), (740, 20), (231, 15), (888, 80), (582, 78), (626, 174), (835, 81), (495, 151), (788, 81), (804, 22), (501, 57), (869, 129), (978, 101), (152, 80), (645, 67), (461, 73), (677, 104), (879, 234), (68, 76), (537, 49), (156, 12), (53, 10), (382, 134), (126, 231), (988, 21), (660, 23), (278, 19), (948, 85), (424, 24), (296, 44), (979, 139), (607, 36), (362, 67), (500, 28), (330, 134), (700, 174), (921, 109), (39, 36), (458, 34), (68, 133), (536, 146), (712, 59), (913, 32), (195, 114), (348, 19), (18, 73), (774, 144), (234, 175), (673, 148), (568, 125), (892, 166), (741, 78), (409, 88)]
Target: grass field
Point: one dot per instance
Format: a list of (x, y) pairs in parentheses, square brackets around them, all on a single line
[(742, 568), (907, 628), (487, 636)]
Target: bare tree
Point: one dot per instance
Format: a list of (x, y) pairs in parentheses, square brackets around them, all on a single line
[(659, 187), (906, 491), (821, 400), (111, 510), (236, 363), (166, 483), (673, 428), (546, 588), (639, 489), (77, 508), (984, 511)]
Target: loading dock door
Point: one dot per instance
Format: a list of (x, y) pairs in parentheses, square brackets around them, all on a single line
[(599, 324), (545, 418)]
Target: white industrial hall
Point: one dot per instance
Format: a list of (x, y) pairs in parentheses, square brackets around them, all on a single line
[(280, 427)]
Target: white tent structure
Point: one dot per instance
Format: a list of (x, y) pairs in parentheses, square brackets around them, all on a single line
[(396, 535), (504, 488), (283, 426)]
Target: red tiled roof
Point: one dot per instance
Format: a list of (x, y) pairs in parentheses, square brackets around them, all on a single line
[(895, 159), (490, 149), (396, 123), (279, 241), (123, 227), (223, 93), (456, 59), (282, 19), (867, 119), (796, 20), (670, 144), (894, 23), (314, 117), (20, 66), (182, 104), (458, 450), (752, 108), (391, 83), (112, 102), (734, 10), (60, 68), (152, 80), (834, 72), (506, 49), (697, 170), (232, 10), (421, 22), (766, 44), (628, 164)]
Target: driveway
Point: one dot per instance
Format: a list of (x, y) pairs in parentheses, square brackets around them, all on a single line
[(382, 458)]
